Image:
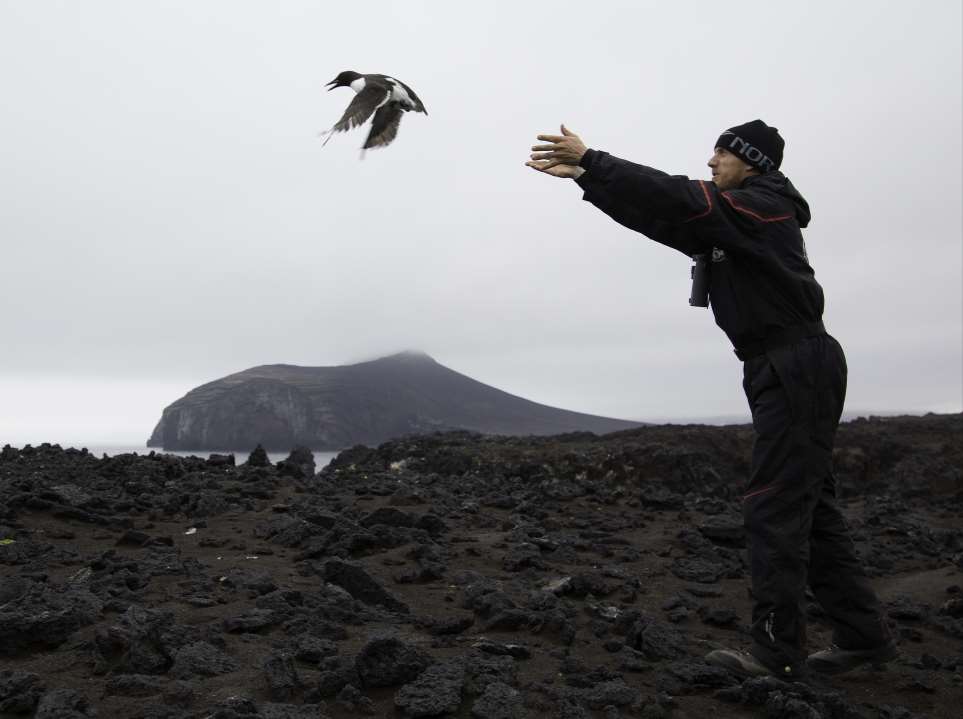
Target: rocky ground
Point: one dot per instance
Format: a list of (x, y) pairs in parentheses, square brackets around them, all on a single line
[(455, 575)]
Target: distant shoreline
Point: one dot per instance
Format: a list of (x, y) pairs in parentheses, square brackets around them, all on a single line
[(98, 449), (727, 419), (323, 457)]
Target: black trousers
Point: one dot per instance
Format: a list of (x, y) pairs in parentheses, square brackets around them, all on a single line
[(796, 533)]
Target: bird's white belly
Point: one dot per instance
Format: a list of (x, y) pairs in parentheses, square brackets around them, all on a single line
[(398, 93)]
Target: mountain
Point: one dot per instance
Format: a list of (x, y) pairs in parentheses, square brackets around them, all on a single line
[(329, 408)]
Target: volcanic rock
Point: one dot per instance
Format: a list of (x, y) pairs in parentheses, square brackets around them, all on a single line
[(19, 692), (64, 704), (258, 458), (542, 576), (351, 699), (357, 582), (281, 677), (656, 640), (499, 701), (436, 691), (389, 661), (299, 464), (201, 659), (140, 642), (28, 626)]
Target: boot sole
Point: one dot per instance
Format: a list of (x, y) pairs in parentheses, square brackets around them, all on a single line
[(877, 660), (736, 667)]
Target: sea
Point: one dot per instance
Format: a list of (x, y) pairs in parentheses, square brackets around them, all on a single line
[(321, 459)]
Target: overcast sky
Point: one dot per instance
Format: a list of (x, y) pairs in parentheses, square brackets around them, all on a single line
[(168, 215)]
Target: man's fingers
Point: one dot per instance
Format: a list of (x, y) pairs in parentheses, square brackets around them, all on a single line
[(566, 131), (549, 157), (538, 148), (550, 138), (553, 168)]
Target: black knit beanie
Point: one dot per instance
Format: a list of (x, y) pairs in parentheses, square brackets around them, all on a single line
[(755, 143)]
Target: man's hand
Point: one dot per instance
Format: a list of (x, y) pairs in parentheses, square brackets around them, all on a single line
[(570, 171), (561, 158)]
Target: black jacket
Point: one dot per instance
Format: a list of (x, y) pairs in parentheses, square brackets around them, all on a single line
[(761, 280)]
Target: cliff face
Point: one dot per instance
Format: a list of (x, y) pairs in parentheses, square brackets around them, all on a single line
[(257, 411), (328, 408)]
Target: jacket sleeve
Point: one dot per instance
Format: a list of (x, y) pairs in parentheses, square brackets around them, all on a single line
[(630, 215), (690, 215), (672, 198)]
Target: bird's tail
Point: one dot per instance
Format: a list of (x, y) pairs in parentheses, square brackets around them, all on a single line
[(328, 134)]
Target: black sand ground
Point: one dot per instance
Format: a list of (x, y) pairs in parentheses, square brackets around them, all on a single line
[(455, 575)]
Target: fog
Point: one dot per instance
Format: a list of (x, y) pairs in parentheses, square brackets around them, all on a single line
[(169, 215)]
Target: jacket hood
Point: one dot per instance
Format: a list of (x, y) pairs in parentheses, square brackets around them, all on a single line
[(780, 184)]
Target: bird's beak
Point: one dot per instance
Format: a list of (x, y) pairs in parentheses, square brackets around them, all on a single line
[(332, 84)]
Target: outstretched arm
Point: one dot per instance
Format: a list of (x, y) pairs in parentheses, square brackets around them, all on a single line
[(675, 235), (660, 196), (563, 157)]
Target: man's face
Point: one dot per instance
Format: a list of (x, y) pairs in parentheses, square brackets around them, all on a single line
[(728, 171)]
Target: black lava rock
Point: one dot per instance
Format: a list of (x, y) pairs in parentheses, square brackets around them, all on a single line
[(389, 661)]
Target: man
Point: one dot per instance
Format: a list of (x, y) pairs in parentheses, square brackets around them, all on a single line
[(765, 297)]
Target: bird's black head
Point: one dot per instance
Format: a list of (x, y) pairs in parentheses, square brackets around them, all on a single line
[(343, 79)]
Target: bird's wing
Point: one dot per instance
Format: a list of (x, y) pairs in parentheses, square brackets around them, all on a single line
[(419, 105), (361, 107), (384, 127)]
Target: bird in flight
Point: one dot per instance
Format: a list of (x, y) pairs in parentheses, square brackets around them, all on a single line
[(382, 95)]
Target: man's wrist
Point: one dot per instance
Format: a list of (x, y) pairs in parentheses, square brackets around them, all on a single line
[(588, 157), (579, 171)]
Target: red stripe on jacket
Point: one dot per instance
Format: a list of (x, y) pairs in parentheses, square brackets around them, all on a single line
[(756, 215), (705, 191)]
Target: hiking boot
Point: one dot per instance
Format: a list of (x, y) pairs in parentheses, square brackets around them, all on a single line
[(837, 660), (743, 664)]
